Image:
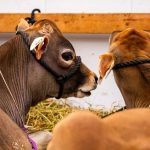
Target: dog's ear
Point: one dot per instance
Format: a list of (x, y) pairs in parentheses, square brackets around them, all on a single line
[(106, 64), (22, 25)]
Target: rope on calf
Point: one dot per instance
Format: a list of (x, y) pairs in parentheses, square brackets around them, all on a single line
[(131, 63)]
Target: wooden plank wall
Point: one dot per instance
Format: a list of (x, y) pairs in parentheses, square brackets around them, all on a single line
[(83, 23)]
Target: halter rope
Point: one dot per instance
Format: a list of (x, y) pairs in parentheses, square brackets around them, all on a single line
[(131, 63)]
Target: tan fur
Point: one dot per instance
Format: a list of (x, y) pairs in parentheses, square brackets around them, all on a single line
[(83, 130), (133, 82)]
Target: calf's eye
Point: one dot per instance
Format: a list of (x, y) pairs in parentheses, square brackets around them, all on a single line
[(67, 56)]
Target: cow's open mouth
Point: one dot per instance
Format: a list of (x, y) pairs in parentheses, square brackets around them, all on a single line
[(81, 93)]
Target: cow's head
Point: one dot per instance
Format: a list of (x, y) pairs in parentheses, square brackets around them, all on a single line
[(126, 46), (58, 55)]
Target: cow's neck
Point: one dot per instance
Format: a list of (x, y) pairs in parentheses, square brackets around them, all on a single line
[(135, 99), (135, 88), (23, 76), (13, 64)]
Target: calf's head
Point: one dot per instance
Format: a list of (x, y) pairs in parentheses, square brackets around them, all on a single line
[(58, 60), (132, 80)]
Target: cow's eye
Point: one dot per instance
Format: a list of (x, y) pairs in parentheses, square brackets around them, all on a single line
[(67, 56)]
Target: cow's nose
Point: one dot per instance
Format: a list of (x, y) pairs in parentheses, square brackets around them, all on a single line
[(96, 78)]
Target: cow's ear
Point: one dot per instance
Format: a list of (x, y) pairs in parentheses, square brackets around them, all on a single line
[(39, 46), (22, 25), (106, 64)]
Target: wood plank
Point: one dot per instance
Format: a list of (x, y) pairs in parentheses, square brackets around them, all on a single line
[(83, 23)]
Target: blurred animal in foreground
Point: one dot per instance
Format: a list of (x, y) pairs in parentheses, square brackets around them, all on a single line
[(129, 58), (126, 130), (37, 63)]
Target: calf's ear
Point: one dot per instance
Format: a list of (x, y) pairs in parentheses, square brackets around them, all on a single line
[(22, 25), (39, 46), (106, 64)]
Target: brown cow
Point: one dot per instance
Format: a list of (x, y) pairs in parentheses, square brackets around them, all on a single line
[(127, 130), (35, 64), (129, 48)]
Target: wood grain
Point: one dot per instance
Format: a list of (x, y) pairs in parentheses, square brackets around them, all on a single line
[(83, 23)]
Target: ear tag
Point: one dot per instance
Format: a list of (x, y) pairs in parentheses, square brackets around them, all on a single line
[(36, 42)]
